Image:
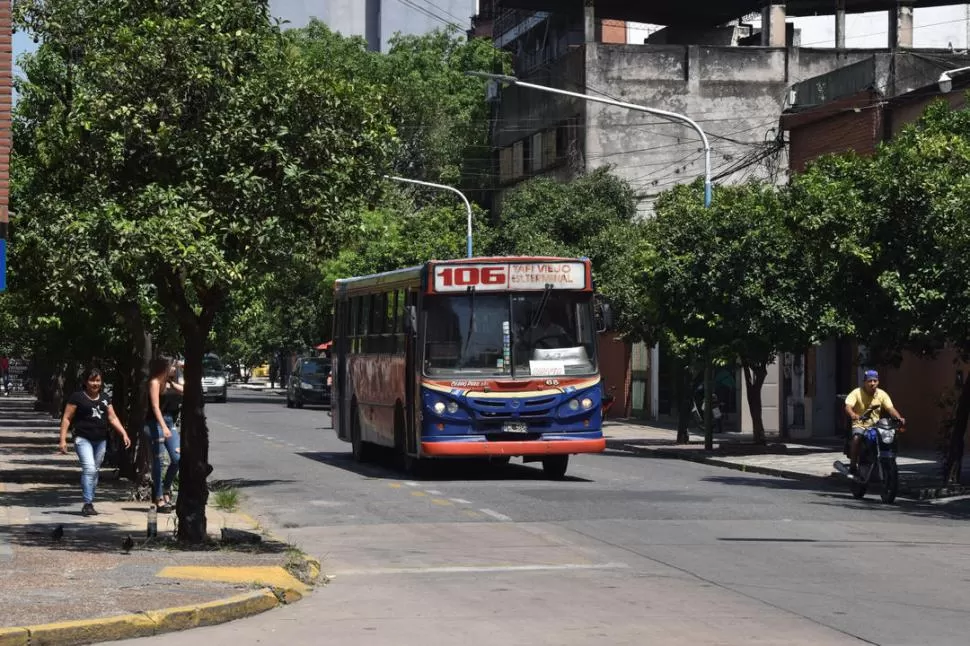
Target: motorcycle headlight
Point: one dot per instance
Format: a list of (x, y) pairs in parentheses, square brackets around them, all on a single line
[(887, 435), (439, 407)]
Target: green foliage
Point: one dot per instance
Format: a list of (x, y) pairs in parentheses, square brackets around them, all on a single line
[(594, 216), (440, 115)]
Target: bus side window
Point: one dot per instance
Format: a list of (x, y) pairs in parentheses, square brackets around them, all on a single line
[(377, 324), (365, 320), (390, 321), (399, 338)]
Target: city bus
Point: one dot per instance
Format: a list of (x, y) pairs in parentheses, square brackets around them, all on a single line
[(474, 358)]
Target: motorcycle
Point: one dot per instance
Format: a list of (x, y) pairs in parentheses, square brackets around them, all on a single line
[(877, 459)]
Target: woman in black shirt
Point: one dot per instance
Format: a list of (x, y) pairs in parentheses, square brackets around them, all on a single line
[(89, 412)]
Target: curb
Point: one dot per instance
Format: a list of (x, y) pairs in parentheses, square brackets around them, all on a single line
[(148, 623), (905, 490)]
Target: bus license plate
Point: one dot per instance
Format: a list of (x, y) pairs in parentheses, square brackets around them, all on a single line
[(515, 427)]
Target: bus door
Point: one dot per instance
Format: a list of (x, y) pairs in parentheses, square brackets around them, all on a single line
[(412, 385)]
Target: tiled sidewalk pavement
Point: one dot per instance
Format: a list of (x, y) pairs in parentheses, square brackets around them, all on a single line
[(86, 574), (919, 471)]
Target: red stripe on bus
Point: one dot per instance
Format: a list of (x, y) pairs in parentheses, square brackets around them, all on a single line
[(538, 447)]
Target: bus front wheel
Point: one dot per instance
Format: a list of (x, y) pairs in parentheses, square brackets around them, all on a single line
[(555, 466)]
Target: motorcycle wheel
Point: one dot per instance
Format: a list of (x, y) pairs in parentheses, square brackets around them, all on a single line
[(890, 485)]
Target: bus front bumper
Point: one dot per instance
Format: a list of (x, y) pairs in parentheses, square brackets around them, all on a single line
[(465, 448)]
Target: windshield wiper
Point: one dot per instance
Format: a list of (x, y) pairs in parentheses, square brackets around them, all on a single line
[(542, 306)]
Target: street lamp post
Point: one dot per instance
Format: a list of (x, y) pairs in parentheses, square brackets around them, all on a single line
[(673, 116), (444, 187), (946, 79)]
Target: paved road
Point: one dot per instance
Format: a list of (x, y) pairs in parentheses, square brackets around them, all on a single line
[(630, 550)]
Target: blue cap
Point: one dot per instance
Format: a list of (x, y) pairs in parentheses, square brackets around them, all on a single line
[(871, 374)]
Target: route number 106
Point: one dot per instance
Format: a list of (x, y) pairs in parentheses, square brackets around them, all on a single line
[(472, 276)]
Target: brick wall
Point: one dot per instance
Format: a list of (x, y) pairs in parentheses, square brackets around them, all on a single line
[(6, 86), (613, 31), (857, 128), (614, 355)]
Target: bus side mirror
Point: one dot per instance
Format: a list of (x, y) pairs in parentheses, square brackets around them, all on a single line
[(605, 318), (410, 319)]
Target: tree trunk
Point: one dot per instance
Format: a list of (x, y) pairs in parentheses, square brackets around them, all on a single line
[(195, 468), (708, 408), (754, 379), (139, 458), (64, 379), (953, 464), (683, 392)]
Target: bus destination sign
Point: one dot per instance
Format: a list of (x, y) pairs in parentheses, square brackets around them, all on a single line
[(526, 276)]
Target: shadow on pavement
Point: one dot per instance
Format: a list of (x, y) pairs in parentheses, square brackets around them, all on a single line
[(244, 483), (834, 493), (387, 467), (100, 534)]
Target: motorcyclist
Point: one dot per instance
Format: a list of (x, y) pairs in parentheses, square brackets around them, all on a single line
[(869, 397)]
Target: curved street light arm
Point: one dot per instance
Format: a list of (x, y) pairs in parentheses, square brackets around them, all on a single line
[(444, 187)]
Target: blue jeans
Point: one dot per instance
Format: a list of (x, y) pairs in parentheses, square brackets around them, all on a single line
[(91, 454), (159, 445)]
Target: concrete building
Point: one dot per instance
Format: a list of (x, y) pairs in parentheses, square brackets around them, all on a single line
[(377, 20), (708, 59), (838, 112)]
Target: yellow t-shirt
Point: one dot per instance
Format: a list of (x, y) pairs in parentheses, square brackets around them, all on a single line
[(860, 400)]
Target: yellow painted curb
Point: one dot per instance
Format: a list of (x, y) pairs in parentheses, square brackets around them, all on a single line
[(14, 637), (243, 605), (314, 566), (87, 631), (155, 622), (273, 576)]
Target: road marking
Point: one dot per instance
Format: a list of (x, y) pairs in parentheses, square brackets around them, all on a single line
[(433, 492), (495, 515), (478, 569), (419, 494), (460, 501), (394, 485), (943, 501), (411, 484), (471, 514), (442, 502)]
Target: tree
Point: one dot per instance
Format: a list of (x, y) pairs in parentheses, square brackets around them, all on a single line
[(211, 149), (440, 114), (729, 282)]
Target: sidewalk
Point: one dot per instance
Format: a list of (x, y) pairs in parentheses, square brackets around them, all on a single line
[(87, 575), (800, 460)]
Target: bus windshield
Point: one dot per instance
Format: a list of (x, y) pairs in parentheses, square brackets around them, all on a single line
[(515, 335)]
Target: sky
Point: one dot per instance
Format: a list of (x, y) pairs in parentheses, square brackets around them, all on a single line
[(22, 43)]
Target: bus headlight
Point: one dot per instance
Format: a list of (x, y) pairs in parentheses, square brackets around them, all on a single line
[(587, 403), (573, 404), (452, 407), (439, 407)]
